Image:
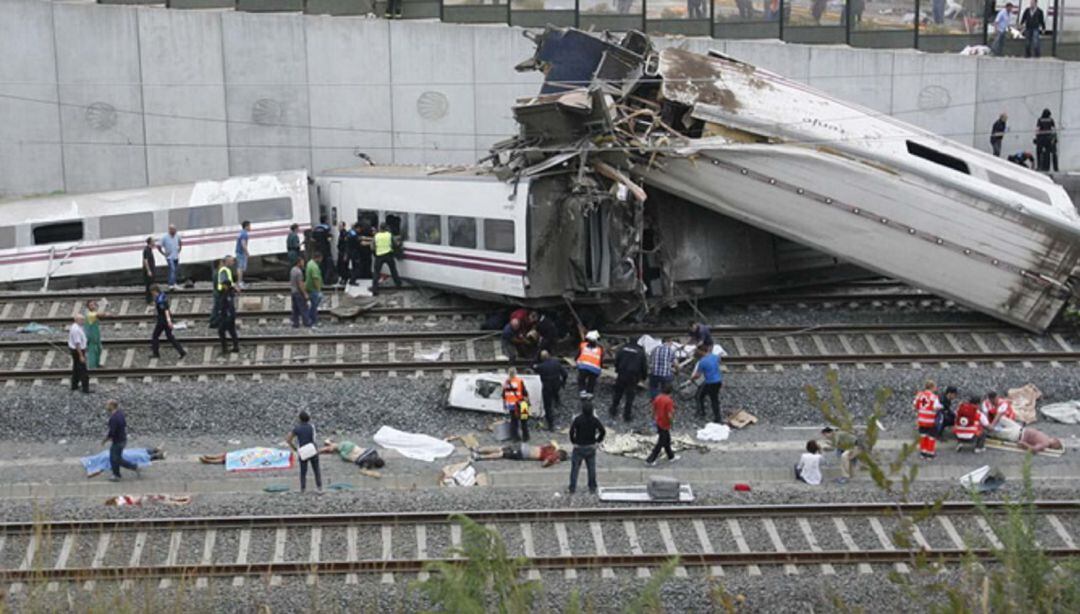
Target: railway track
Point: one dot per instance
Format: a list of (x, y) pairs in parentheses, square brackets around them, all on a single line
[(129, 306), (417, 351), (714, 541)]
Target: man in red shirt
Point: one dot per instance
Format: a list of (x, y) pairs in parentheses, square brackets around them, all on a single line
[(663, 414)]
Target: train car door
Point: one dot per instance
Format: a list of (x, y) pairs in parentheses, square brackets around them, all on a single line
[(597, 256)]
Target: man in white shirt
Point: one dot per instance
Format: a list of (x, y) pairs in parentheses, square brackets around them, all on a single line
[(77, 344), (170, 246), (1001, 29)]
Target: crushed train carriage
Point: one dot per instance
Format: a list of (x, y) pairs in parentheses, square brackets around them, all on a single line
[(626, 119)]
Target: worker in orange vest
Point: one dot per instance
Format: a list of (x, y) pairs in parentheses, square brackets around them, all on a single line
[(516, 399), (590, 361), (970, 426), (927, 404)]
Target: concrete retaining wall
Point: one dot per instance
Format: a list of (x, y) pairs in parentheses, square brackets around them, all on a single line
[(102, 97)]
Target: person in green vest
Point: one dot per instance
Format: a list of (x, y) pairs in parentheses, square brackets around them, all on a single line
[(92, 327), (384, 254), (313, 284)]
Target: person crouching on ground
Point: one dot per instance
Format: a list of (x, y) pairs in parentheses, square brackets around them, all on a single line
[(808, 469)]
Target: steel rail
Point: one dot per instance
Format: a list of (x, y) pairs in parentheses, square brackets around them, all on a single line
[(692, 512), (396, 312), (263, 288), (835, 557), (452, 335)]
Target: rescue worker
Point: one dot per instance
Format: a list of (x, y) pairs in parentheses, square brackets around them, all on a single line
[(631, 368), (546, 333), (292, 244), (708, 368), (352, 250), (164, 323), (321, 235), (384, 254), (227, 319), (516, 399), (970, 426), (343, 252), (590, 361), (222, 273), (997, 405), (946, 418), (700, 334), (552, 378), (927, 405), (365, 242)]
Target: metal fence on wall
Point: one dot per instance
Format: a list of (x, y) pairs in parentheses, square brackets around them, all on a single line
[(928, 25)]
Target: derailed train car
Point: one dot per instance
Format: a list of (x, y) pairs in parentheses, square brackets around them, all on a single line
[(787, 159)]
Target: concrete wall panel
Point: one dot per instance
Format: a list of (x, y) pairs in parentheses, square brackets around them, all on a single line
[(266, 92), (98, 65), (184, 95), (349, 89), (31, 160), (1021, 88), (791, 61), (434, 96), (936, 92), (1069, 122), (497, 88), (862, 76)]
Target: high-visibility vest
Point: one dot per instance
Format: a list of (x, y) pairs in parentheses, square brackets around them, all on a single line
[(228, 276), (968, 423), (513, 391), (589, 357), (384, 243), (926, 405), (523, 410)]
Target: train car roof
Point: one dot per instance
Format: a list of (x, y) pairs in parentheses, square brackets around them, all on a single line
[(402, 171)]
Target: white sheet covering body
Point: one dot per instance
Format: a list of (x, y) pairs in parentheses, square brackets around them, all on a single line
[(413, 445)]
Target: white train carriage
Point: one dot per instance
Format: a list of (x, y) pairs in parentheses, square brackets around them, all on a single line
[(93, 234), (464, 230)]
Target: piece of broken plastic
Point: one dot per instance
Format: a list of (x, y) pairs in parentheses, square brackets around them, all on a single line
[(742, 487)]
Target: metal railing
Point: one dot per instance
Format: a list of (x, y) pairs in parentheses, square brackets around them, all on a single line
[(928, 25)]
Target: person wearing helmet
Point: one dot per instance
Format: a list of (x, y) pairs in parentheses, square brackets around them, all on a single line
[(590, 361)]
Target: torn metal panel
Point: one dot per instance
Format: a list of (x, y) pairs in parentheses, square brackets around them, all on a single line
[(483, 392)]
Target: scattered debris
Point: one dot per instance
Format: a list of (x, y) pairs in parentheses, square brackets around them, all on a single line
[(714, 432), (350, 309), (1023, 401), (432, 356), (638, 445), (139, 500), (635, 494), (462, 474), (742, 487), (34, 327), (984, 479), (483, 392), (742, 419), (663, 488), (354, 291), (1067, 412), (468, 440), (413, 445)]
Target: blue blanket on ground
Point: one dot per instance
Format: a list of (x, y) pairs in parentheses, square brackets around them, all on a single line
[(99, 462)]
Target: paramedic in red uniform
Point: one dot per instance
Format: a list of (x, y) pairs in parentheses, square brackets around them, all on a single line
[(927, 404), (970, 425)]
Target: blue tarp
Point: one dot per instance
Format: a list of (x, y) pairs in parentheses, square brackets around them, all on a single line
[(100, 462)]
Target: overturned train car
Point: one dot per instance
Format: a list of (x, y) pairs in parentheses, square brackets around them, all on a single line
[(540, 238), (792, 161)]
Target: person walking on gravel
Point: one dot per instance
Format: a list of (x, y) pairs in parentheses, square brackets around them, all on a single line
[(227, 323), (552, 377), (708, 368), (93, 334), (631, 368), (663, 415), (164, 323), (586, 433), (242, 252), (590, 362), (148, 268), (118, 436), (170, 247), (77, 345), (313, 284), (298, 294), (302, 441)]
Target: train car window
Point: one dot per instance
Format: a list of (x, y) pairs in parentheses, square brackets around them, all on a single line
[(265, 209), (7, 237), (368, 216), (462, 231), (127, 225), (399, 224), (937, 157), (1016, 186), (428, 229), (60, 232), (193, 218), (499, 236)]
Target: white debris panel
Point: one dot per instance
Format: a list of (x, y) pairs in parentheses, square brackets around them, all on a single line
[(483, 392)]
